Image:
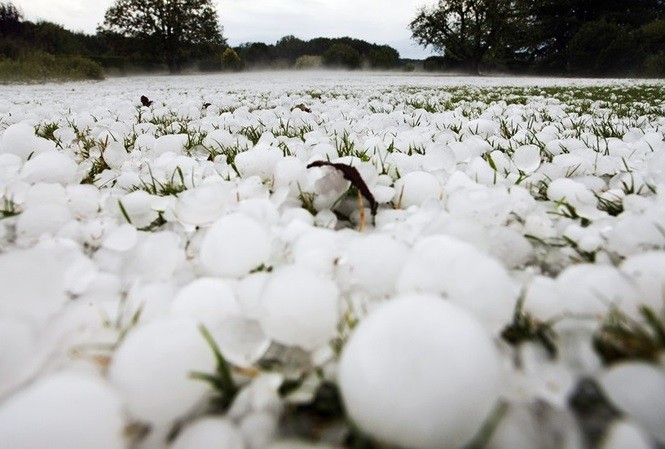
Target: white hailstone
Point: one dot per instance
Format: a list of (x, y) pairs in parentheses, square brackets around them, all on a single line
[(638, 389), (375, 261), (485, 205), (438, 157), (42, 219), (241, 340), (63, 411), (290, 171), (208, 300), (420, 372), (647, 270), (115, 155), (20, 139), (152, 369), (10, 166), (202, 205), (234, 245), (170, 143), (527, 158), (51, 166), (144, 142), (139, 207), (248, 291), (218, 138), (259, 429), (414, 188), (479, 170), (473, 280), (510, 247), (624, 434), (83, 200), (121, 239), (590, 289), (209, 433), (259, 161), (17, 352), (481, 127), (44, 194), (156, 256), (299, 307)]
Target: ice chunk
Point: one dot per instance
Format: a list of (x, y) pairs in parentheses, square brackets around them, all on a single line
[(63, 411), (638, 389), (20, 139), (527, 158), (209, 433), (471, 279), (235, 245), (152, 368), (208, 300), (299, 307), (415, 188), (419, 372), (51, 166)]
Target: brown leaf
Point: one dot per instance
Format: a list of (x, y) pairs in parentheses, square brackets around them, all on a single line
[(351, 174), (145, 101), (302, 107)]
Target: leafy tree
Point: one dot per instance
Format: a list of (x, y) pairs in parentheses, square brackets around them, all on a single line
[(383, 57), (231, 61), (463, 30), (10, 19), (343, 56), (289, 48), (175, 30), (256, 54)]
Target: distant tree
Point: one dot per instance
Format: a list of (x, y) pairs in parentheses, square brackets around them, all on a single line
[(383, 57), (231, 61), (309, 62), (10, 19), (256, 54), (289, 48), (342, 56), (463, 30), (176, 30)]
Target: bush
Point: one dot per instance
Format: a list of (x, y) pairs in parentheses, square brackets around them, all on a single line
[(309, 62), (231, 61), (342, 56), (384, 57), (40, 67)]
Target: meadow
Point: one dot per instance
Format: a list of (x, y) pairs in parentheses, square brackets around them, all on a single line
[(331, 260)]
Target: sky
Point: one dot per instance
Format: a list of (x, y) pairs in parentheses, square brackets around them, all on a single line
[(376, 21)]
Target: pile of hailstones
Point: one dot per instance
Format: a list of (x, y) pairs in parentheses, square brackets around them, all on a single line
[(103, 286)]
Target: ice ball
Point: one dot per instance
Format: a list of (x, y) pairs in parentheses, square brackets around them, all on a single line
[(51, 167), (416, 187), (63, 411), (235, 245), (209, 433), (299, 307), (420, 372)]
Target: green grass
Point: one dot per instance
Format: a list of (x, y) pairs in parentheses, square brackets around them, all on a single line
[(42, 67)]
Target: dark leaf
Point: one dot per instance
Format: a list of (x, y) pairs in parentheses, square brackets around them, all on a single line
[(145, 101), (351, 174)]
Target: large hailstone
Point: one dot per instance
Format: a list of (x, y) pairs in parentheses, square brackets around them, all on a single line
[(235, 245), (152, 367), (299, 307), (63, 411), (471, 279), (420, 372), (209, 433)]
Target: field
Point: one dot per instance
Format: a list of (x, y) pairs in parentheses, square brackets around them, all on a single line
[(329, 260)]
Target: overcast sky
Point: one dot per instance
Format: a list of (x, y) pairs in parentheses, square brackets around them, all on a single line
[(377, 21)]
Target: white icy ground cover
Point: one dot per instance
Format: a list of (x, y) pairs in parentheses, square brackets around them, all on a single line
[(524, 211)]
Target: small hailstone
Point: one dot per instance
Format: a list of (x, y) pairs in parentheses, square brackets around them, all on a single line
[(443, 265), (63, 411), (375, 261), (115, 155), (156, 256), (20, 139), (209, 433), (51, 166), (299, 307), (138, 206), (241, 340), (527, 158), (83, 200), (170, 143), (152, 369), (259, 429), (208, 300), (202, 205), (234, 245), (638, 389), (407, 377), (42, 219), (121, 239), (647, 270), (625, 434), (414, 188)]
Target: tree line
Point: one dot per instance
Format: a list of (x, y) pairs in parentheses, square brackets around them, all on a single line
[(552, 37)]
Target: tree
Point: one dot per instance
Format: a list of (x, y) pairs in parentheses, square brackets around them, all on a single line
[(10, 19), (176, 30), (342, 55), (463, 30), (383, 57), (231, 61)]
